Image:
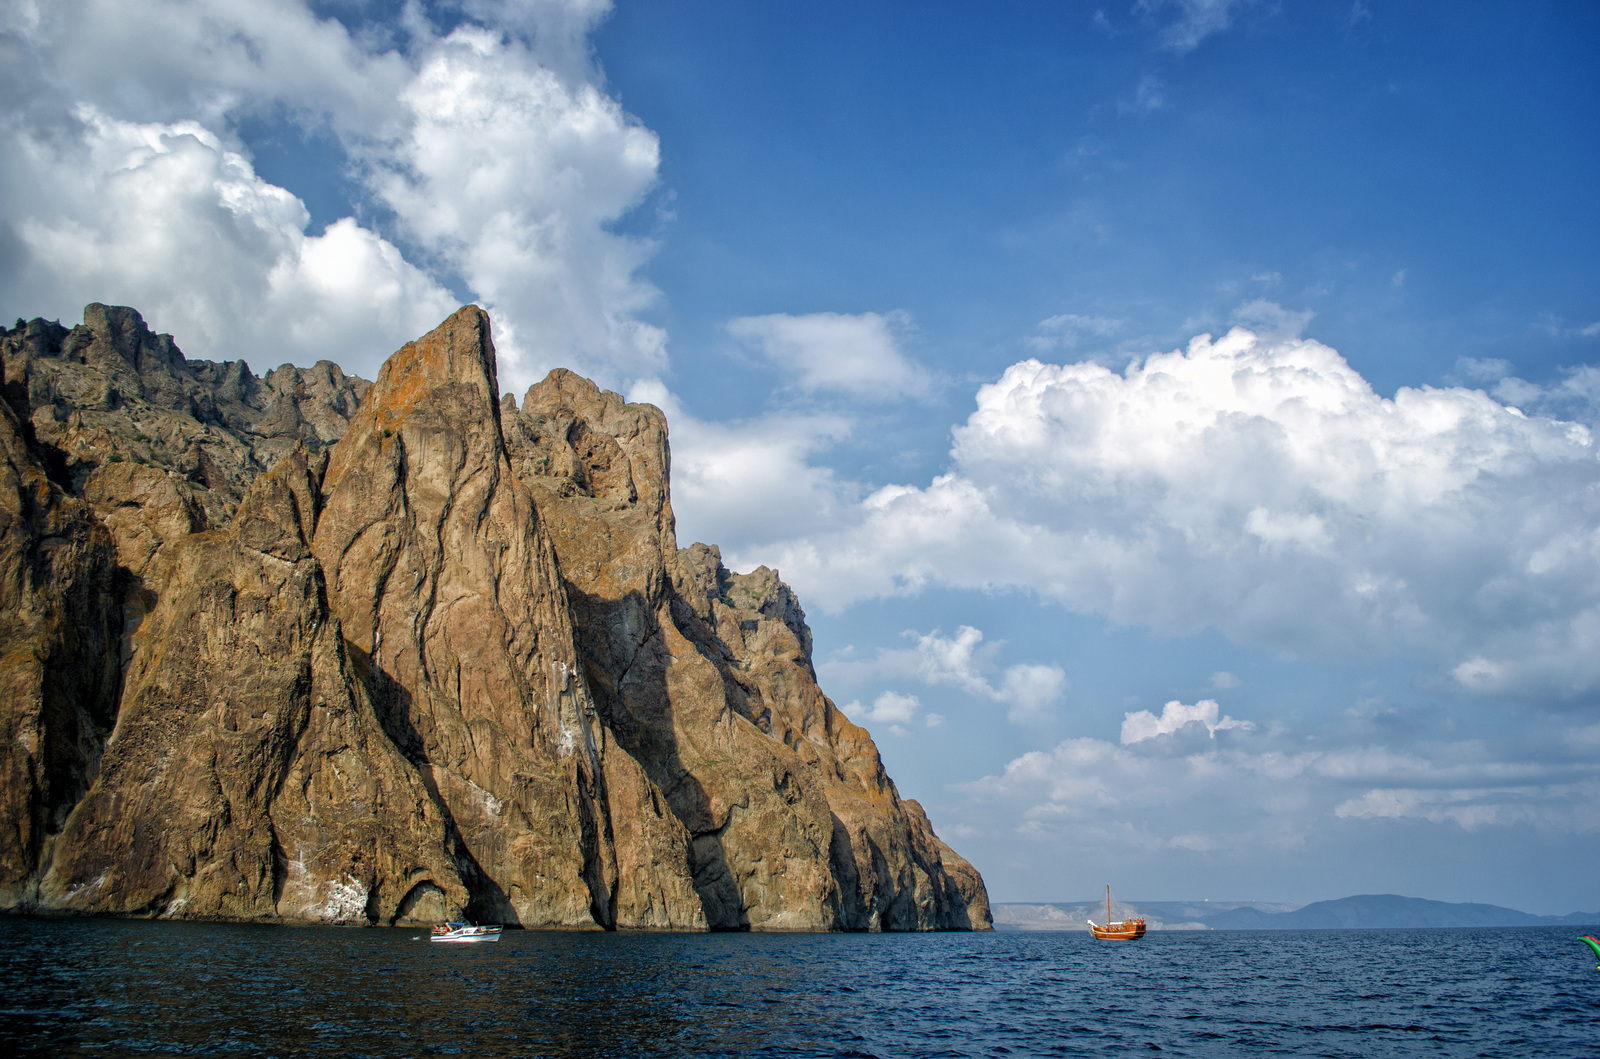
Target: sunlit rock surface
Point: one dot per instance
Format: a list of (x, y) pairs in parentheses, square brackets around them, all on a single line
[(296, 648)]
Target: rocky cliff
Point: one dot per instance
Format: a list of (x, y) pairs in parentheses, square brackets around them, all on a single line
[(296, 648)]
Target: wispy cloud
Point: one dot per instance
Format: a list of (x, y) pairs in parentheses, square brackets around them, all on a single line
[(1068, 330), (1028, 691), (856, 356), (1184, 24), (1556, 327), (1576, 397), (1267, 319), (1149, 94), (1568, 807), (1252, 791)]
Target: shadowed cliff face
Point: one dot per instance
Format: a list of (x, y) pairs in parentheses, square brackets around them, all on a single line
[(706, 677), (442, 575), (248, 776), (456, 664), (58, 646)]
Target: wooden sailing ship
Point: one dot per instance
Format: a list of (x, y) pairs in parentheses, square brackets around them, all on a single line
[(1120, 930)]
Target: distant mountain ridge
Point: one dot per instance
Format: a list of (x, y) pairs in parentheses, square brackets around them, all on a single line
[(1361, 912), (1379, 911)]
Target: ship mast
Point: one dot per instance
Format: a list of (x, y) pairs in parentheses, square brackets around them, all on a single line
[(1108, 904)]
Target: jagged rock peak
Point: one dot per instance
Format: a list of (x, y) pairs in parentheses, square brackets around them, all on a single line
[(440, 394), (159, 444), (455, 665), (459, 352), (592, 442)]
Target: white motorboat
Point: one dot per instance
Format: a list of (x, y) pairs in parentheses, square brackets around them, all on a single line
[(464, 932)]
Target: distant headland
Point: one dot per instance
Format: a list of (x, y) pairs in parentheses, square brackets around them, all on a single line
[(1366, 911)]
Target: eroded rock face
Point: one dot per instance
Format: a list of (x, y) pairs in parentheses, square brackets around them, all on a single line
[(706, 677), (248, 776), (109, 393), (59, 627), (443, 577), (455, 664)]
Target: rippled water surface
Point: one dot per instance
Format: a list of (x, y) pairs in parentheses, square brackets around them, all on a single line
[(115, 988)]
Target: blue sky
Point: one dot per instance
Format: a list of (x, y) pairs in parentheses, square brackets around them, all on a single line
[(941, 300)]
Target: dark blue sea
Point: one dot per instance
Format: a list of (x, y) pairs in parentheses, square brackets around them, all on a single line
[(129, 988)]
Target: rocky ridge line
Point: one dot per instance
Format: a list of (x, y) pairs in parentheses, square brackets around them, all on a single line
[(296, 649)]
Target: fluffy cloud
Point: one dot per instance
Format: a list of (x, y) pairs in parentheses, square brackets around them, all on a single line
[(198, 60), (510, 176), (1137, 727), (855, 355), (892, 709), (752, 479), (164, 218), (1106, 795), (497, 163), (1260, 487), (1247, 790), (1028, 691), (557, 30)]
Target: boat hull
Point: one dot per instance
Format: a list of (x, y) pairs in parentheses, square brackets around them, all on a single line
[(470, 935), (1117, 929)]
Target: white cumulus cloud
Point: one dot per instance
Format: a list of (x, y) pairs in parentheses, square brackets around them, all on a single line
[(510, 176), (751, 479), (496, 164), (1142, 725), (165, 218), (1263, 488), (199, 60), (892, 709)]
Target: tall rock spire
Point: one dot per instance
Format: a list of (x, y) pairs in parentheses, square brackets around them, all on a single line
[(455, 665), (448, 588)]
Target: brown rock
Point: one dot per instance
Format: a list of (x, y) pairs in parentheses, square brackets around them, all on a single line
[(464, 669), (58, 674), (440, 570), (705, 677), (248, 776), (109, 393)]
